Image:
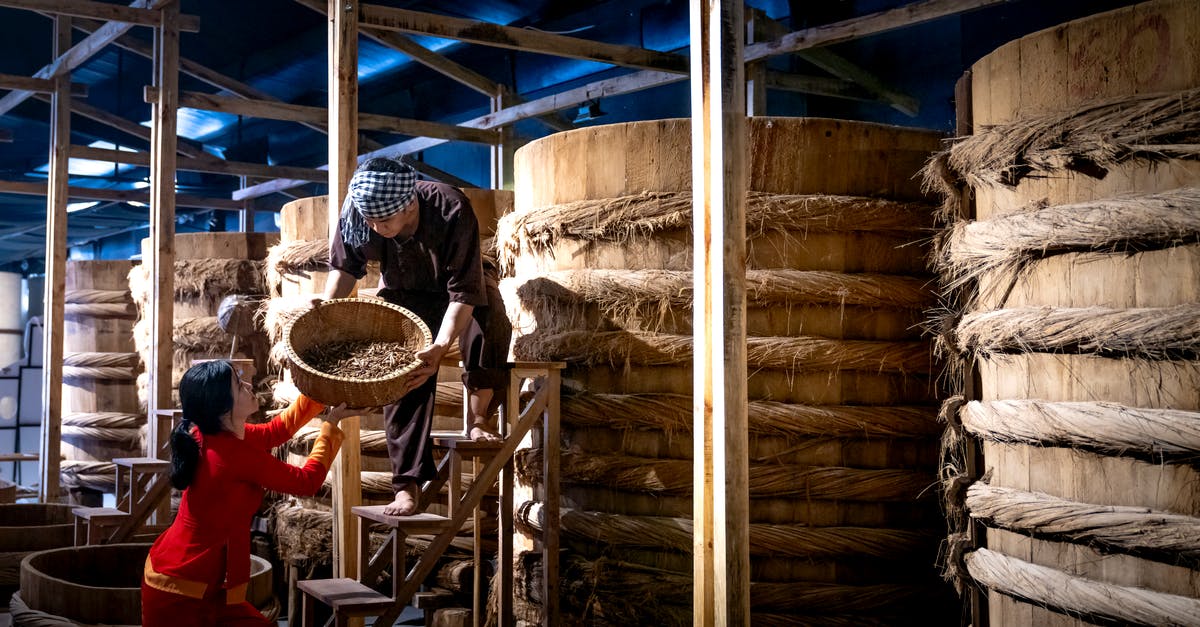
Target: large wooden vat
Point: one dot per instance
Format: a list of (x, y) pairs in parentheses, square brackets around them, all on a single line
[(101, 584), (1119, 57), (208, 268), (29, 527), (600, 245), (101, 417)]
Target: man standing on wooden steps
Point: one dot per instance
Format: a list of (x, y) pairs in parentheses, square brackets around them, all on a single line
[(425, 237)]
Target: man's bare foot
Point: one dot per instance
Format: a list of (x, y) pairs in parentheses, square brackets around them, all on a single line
[(481, 432), (405, 503)]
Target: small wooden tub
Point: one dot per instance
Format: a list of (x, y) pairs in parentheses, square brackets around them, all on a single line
[(101, 584), (25, 528)]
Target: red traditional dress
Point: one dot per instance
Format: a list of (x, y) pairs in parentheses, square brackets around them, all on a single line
[(197, 570)]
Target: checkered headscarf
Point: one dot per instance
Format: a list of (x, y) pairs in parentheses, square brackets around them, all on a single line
[(374, 195)]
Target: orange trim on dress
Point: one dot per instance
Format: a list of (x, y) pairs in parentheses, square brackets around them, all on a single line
[(187, 587)]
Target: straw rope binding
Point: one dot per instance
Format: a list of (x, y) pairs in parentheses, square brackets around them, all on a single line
[(1139, 531), (766, 540), (1150, 333), (673, 476), (672, 413), (626, 217), (1145, 128), (615, 348), (1010, 243), (99, 303), (1080, 597), (1156, 435)]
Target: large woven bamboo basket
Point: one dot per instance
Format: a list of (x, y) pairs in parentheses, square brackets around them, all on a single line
[(348, 319)]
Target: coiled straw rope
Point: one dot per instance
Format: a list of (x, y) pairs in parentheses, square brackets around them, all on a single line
[(1140, 531), (1105, 428), (1078, 596), (766, 540), (1150, 333), (674, 476), (791, 353), (620, 219), (1008, 243), (673, 413)]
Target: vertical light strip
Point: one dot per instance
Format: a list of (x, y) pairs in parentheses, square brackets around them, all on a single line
[(721, 499)]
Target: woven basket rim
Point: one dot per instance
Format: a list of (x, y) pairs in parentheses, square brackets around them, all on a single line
[(294, 358)]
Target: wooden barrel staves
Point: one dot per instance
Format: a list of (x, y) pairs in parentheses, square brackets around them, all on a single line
[(208, 268), (101, 417), (101, 584), (842, 412), (1080, 301), (26, 528)]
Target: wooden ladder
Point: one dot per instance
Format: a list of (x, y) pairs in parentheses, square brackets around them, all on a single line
[(142, 485), (351, 598)]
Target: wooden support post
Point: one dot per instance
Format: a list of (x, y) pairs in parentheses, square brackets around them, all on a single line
[(343, 153), (56, 269), (163, 123), (756, 72), (505, 559), (721, 561), (502, 152), (550, 497)]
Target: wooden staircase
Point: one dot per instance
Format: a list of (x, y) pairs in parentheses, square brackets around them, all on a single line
[(359, 598), (142, 486)]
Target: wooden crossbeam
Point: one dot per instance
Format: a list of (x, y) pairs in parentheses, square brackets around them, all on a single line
[(864, 26), (629, 83), (78, 54), (117, 195), (212, 166), (38, 85), (101, 11), (824, 58), (440, 64), (303, 113), (186, 146), (801, 40), (489, 34), (818, 86)]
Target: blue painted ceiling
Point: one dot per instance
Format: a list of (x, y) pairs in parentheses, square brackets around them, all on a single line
[(278, 46)]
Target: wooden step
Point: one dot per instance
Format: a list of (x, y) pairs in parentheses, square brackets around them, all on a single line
[(432, 599), (467, 447), (345, 596), (99, 515), (143, 464), (415, 524)]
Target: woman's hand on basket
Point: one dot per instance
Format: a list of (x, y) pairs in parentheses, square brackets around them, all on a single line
[(334, 415), (431, 360)]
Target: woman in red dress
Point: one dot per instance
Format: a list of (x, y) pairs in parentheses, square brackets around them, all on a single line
[(197, 570)]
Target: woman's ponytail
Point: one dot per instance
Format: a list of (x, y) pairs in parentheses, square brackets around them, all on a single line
[(185, 455)]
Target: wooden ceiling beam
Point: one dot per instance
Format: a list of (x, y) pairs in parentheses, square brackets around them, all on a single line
[(838, 66), (489, 34), (38, 85), (441, 64), (864, 26), (800, 40), (187, 147), (303, 113), (78, 54), (131, 15), (117, 195), (212, 166), (628, 83)]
